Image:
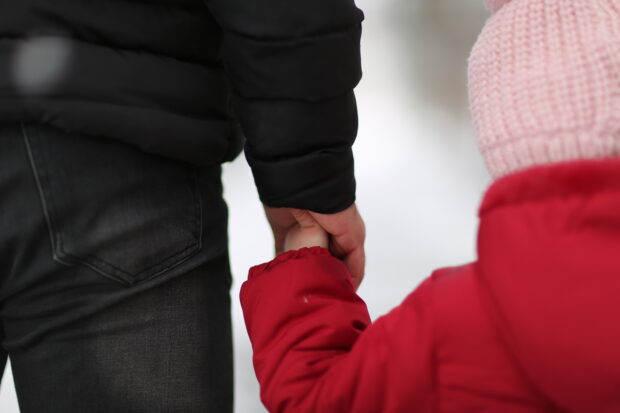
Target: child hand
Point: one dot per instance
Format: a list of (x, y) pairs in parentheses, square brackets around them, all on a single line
[(306, 233)]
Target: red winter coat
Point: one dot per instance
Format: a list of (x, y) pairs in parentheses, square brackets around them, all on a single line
[(532, 326)]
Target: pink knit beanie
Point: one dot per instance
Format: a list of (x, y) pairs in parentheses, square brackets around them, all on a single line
[(544, 80), (495, 5)]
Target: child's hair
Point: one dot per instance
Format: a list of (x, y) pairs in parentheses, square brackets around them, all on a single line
[(544, 82)]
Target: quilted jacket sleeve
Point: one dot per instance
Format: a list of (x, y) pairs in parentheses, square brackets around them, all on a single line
[(315, 349), (293, 65)]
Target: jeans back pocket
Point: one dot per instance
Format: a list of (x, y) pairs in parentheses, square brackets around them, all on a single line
[(126, 214)]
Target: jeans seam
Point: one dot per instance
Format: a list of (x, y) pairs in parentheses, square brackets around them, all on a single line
[(50, 226)]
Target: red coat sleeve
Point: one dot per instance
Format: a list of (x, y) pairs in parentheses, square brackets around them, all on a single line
[(315, 349)]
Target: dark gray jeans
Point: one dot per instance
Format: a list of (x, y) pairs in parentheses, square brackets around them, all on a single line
[(114, 277)]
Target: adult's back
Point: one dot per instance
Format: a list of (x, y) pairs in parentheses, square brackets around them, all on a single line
[(163, 74)]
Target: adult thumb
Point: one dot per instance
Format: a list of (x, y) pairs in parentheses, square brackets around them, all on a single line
[(303, 218)]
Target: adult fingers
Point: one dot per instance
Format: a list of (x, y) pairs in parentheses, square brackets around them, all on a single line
[(348, 234), (303, 218)]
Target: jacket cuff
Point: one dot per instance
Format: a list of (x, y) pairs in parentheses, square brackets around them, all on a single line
[(300, 152), (321, 181), (285, 257)]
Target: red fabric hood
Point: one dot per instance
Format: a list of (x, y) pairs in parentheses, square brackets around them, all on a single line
[(549, 260)]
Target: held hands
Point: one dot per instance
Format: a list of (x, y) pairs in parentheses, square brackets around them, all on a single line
[(306, 234), (345, 229)]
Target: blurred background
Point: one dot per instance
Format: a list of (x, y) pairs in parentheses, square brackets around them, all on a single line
[(419, 175)]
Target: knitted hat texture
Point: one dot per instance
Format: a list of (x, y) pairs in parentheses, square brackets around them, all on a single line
[(544, 83), (495, 5)]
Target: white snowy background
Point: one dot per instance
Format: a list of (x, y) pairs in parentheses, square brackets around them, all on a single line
[(420, 178)]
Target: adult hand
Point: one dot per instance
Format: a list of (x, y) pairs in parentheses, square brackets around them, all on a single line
[(346, 229)]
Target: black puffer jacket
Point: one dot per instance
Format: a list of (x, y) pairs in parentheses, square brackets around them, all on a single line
[(165, 75)]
